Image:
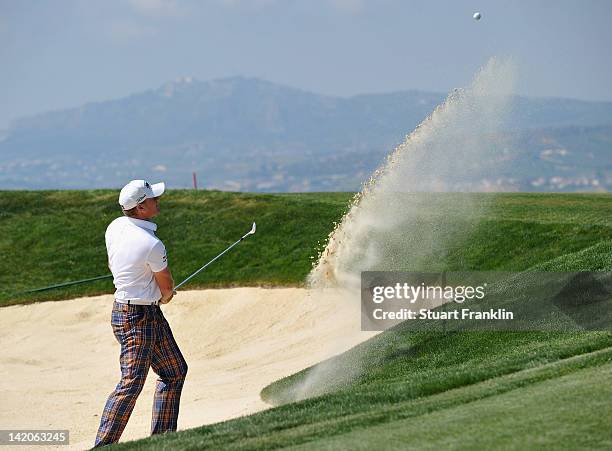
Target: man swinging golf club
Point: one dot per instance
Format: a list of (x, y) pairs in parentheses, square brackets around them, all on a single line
[(137, 259)]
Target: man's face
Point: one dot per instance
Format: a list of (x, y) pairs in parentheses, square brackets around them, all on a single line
[(149, 208)]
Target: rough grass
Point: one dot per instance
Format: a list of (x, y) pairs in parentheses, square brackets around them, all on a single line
[(50, 237)]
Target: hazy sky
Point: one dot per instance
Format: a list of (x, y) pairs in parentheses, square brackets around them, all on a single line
[(61, 53)]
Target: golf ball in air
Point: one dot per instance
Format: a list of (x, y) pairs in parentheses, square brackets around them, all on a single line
[(477, 16)]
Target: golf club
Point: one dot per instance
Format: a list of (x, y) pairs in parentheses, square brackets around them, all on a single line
[(250, 232)]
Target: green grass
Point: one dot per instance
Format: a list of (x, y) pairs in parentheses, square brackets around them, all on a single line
[(408, 388), (50, 237), (558, 406)]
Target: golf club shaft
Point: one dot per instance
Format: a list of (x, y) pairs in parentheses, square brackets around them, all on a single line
[(203, 267)]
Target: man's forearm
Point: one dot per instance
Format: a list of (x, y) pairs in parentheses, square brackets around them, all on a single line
[(165, 282), (167, 291)]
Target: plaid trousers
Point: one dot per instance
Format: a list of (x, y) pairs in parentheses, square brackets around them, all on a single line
[(146, 341)]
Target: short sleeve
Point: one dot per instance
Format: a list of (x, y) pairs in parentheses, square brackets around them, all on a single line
[(158, 260)]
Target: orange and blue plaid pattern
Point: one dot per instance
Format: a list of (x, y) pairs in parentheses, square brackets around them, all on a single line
[(146, 341)]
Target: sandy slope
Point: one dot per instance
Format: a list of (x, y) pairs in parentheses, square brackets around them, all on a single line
[(59, 360)]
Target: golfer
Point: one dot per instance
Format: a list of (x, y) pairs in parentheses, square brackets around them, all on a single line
[(137, 259)]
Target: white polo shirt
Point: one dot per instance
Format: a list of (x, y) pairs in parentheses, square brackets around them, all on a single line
[(134, 254)]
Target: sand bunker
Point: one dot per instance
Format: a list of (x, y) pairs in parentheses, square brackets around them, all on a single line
[(60, 360)]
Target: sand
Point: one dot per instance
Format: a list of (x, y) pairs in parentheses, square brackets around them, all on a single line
[(60, 360)]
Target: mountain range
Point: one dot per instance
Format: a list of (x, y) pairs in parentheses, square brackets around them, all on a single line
[(246, 134)]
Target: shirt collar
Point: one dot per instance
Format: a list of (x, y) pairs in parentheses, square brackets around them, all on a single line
[(144, 224)]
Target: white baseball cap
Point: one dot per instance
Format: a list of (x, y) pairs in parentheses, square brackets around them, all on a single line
[(137, 191)]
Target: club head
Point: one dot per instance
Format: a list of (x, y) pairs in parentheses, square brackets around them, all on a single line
[(253, 229)]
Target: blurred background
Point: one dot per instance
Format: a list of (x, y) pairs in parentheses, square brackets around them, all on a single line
[(275, 96)]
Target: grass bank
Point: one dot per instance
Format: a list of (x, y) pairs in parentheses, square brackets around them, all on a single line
[(51, 237)]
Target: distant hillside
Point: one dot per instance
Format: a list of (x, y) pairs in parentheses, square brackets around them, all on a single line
[(249, 134)]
